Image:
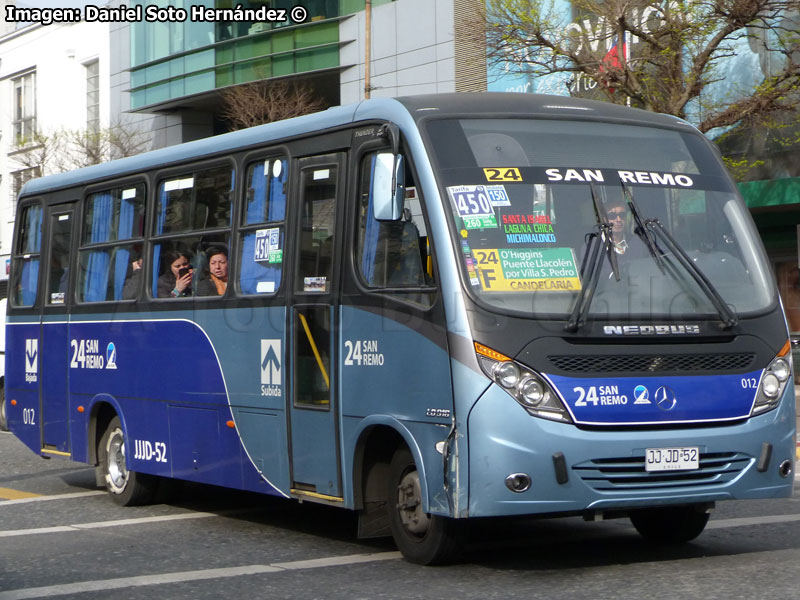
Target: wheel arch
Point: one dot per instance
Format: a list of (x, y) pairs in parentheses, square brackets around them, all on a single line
[(378, 439), (104, 408)]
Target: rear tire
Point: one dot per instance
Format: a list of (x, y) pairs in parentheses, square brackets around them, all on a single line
[(422, 538), (127, 488), (670, 524)]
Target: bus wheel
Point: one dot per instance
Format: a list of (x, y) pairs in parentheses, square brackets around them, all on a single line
[(670, 524), (127, 488), (3, 420), (422, 538)]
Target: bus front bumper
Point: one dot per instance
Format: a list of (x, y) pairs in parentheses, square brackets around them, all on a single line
[(575, 470)]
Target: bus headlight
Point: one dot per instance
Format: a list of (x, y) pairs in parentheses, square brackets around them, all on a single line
[(531, 392), (523, 384), (774, 381), (770, 386), (781, 369), (506, 373)]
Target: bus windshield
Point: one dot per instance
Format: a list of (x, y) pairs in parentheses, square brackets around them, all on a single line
[(528, 196)]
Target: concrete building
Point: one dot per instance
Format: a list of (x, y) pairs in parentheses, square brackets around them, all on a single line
[(52, 78), (169, 75)]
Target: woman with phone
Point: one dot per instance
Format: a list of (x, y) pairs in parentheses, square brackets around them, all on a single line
[(176, 281)]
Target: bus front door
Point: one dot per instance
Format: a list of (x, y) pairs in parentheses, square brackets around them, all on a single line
[(314, 406), (54, 346)]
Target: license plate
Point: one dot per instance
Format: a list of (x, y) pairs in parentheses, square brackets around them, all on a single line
[(672, 459)]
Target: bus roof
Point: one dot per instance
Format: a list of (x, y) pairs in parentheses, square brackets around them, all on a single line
[(486, 104)]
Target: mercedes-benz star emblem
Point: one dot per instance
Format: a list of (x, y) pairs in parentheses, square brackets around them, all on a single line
[(665, 398)]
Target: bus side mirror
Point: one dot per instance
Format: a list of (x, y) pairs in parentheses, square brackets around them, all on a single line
[(388, 187)]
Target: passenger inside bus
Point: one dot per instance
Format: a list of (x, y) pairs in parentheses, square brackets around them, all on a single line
[(130, 288), (176, 280), (216, 282)]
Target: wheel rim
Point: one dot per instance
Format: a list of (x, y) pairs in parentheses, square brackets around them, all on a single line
[(409, 505), (116, 471)]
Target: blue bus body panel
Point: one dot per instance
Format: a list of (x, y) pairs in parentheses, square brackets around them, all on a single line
[(606, 468), (645, 401), (22, 376), (165, 380), (394, 376)]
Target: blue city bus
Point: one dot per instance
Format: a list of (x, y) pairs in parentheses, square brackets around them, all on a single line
[(434, 308)]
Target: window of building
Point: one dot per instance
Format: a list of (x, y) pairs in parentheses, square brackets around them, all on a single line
[(93, 96), (18, 179), (262, 230), (24, 122), (192, 224), (111, 245)]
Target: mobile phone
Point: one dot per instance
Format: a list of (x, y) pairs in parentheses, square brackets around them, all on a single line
[(182, 272)]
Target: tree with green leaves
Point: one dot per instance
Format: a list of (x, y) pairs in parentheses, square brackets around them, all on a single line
[(669, 57)]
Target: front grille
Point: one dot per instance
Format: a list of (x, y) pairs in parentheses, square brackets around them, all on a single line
[(653, 363), (628, 474)]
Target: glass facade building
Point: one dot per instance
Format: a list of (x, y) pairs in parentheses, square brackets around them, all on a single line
[(173, 60)]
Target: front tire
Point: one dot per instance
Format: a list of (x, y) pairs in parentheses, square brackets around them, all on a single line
[(422, 538), (670, 524), (127, 488)]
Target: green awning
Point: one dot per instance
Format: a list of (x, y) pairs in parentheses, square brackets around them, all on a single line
[(771, 192)]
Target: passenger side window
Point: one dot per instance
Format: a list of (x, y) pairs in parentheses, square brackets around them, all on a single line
[(317, 227), (392, 254), (262, 230), (192, 224), (111, 245), (27, 259)]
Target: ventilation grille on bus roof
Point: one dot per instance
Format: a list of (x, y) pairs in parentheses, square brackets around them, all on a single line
[(652, 363), (629, 475)]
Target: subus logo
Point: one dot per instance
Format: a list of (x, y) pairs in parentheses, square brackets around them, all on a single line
[(31, 360), (651, 329)]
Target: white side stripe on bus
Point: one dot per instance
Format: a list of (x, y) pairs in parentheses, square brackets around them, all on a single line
[(191, 576)]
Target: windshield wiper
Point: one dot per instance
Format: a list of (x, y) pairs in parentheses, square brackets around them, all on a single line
[(603, 237), (644, 229), (729, 319), (641, 230)]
